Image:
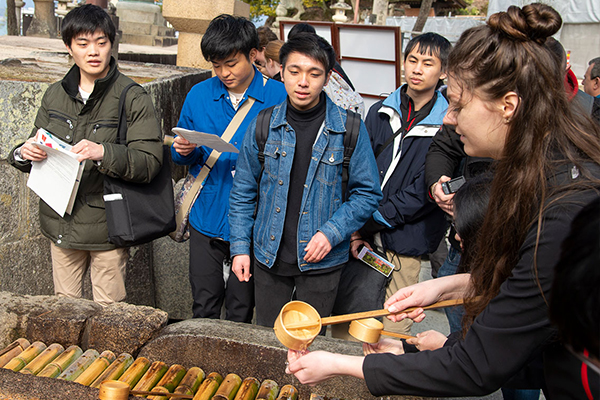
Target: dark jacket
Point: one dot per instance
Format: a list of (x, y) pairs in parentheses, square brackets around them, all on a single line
[(63, 114), (507, 336), (446, 156), (416, 224)]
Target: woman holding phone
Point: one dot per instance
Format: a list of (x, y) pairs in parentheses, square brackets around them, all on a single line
[(506, 103)]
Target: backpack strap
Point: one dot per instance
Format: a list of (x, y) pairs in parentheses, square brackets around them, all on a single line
[(350, 139), (122, 119), (262, 133)]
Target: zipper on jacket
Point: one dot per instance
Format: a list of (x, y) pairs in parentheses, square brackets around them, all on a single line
[(96, 126), (62, 117)]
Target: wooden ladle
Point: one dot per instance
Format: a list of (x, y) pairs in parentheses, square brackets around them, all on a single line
[(298, 323), (117, 390), (338, 319), (369, 330)]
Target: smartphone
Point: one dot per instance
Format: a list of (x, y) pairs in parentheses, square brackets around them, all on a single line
[(453, 185), (375, 261)]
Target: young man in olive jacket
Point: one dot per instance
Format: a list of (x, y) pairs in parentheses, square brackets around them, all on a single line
[(82, 110)]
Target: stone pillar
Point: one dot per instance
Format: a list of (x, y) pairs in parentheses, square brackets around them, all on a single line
[(44, 21), (18, 5), (191, 18)]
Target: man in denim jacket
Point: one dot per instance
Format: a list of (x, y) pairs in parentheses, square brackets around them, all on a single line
[(301, 232)]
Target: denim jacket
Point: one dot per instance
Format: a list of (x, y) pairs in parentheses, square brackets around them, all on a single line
[(322, 207)]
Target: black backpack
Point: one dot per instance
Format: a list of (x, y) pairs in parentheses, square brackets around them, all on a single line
[(350, 137)]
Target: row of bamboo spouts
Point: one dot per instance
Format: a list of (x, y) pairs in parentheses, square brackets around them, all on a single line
[(91, 368)]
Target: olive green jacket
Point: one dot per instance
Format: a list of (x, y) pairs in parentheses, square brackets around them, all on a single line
[(64, 114)]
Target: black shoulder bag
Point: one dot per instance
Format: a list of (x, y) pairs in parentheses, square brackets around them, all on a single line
[(137, 213)]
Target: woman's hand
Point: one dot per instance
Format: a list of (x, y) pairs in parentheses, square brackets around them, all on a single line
[(384, 346), (428, 340), (318, 366), (425, 293)]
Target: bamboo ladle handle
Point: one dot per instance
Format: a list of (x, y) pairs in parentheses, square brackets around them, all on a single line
[(338, 319), (397, 335)]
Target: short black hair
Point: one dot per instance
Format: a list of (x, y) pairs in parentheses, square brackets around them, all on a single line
[(87, 18), (227, 35), (299, 28), (432, 44), (310, 45)]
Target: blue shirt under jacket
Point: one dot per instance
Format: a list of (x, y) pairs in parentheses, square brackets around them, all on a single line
[(207, 108)]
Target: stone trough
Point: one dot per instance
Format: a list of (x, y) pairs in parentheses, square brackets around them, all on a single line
[(213, 345)]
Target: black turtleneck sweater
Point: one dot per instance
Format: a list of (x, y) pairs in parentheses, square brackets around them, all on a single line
[(306, 126)]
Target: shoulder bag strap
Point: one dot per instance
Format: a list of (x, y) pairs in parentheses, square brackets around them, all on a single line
[(233, 126), (122, 119)]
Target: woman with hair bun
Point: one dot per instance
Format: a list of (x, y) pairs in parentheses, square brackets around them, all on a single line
[(505, 103)]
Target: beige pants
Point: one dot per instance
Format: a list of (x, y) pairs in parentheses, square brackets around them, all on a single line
[(405, 274), (107, 270)]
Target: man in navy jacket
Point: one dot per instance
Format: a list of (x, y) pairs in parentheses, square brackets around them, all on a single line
[(407, 225)]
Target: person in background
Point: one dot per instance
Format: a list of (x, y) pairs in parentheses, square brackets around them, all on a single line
[(591, 79), (82, 110), (580, 100), (265, 35), (291, 211), (406, 225), (230, 44), (307, 28), (591, 85), (273, 66), (505, 104)]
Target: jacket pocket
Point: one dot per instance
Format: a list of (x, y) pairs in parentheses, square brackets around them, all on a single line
[(61, 125), (103, 131), (330, 167), (272, 153)]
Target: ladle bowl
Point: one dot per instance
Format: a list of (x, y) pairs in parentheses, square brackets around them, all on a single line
[(369, 330), (297, 312)]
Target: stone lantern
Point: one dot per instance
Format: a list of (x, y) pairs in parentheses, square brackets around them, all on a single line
[(340, 11)]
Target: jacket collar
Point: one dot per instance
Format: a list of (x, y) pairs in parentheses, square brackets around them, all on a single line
[(256, 89), (334, 121), (391, 107), (70, 82)]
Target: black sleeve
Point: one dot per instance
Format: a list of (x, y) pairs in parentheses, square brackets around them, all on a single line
[(513, 330), (444, 156)]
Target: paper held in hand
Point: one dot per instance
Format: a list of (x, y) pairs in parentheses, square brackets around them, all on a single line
[(206, 139), (55, 179)]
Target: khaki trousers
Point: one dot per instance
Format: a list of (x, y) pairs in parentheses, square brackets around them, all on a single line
[(406, 273), (107, 270)]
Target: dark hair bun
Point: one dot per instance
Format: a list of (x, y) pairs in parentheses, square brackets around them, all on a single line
[(533, 22)]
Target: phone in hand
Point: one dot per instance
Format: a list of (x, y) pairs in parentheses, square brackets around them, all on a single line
[(375, 261), (453, 185)]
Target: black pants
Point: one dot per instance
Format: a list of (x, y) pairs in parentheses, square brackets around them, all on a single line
[(208, 286), (362, 288), (272, 292)]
